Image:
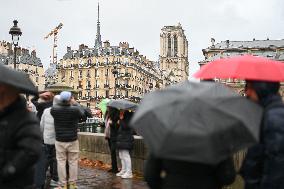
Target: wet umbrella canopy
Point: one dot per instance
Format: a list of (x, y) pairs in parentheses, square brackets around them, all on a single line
[(122, 104), (245, 67), (199, 122), (18, 80)]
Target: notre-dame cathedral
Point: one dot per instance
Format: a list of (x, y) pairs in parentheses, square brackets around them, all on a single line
[(174, 54)]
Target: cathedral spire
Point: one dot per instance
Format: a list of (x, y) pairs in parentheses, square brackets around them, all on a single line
[(98, 42)]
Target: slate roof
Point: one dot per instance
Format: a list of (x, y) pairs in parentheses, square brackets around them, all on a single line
[(23, 59), (249, 44), (240, 47), (90, 52)]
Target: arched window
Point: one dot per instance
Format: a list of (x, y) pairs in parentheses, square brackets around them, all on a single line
[(175, 46), (169, 45)]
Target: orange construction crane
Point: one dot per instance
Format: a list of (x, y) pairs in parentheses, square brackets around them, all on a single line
[(54, 32)]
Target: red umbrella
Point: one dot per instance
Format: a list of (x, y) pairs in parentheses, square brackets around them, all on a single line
[(245, 67)]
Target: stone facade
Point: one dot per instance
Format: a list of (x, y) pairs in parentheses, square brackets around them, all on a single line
[(174, 54), (26, 62), (273, 49), (90, 71)]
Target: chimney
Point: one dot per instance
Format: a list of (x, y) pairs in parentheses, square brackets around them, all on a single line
[(227, 43), (253, 39), (131, 50), (33, 53), (68, 49), (23, 51), (213, 42), (106, 44), (81, 47), (124, 45)]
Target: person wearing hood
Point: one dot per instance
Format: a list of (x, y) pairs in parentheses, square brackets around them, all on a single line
[(20, 140), (48, 131), (264, 163)]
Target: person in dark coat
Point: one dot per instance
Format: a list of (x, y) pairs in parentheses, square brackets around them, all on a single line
[(124, 144), (42, 102), (263, 167), (20, 140), (66, 118), (113, 124), (171, 174)]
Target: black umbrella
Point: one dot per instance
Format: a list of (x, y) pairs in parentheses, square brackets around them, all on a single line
[(18, 80), (122, 104), (199, 122)]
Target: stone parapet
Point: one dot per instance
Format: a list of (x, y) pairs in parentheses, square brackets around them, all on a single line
[(94, 146)]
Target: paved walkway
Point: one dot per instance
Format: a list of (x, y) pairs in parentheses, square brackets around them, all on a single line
[(90, 178)]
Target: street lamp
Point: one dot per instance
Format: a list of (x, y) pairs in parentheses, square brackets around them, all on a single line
[(15, 31), (115, 74)]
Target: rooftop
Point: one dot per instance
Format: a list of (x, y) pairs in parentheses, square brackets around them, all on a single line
[(248, 44)]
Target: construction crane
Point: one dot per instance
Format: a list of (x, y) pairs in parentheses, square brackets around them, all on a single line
[(54, 32)]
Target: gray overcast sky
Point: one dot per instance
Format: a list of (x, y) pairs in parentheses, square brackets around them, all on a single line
[(139, 22)]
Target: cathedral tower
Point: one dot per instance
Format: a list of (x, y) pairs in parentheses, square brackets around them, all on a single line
[(174, 54)]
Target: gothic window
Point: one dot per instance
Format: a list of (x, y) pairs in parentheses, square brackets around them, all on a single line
[(88, 73), (96, 73), (169, 45), (175, 46), (80, 73)]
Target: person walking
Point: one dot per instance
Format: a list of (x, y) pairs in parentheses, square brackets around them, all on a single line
[(20, 140), (48, 130), (66, 118), (125, 141), (263, 165)]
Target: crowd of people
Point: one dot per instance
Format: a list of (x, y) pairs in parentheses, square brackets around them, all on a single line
[(59, 116), (56, 148)]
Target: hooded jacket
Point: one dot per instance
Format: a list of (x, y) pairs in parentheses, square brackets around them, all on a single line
[(264, 164), (20, 145)]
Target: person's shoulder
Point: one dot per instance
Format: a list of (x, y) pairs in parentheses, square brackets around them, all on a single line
[(47, 110), (274, 119)]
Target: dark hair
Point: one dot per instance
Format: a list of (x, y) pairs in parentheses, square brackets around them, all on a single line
[(264, 88), (114, 114)]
